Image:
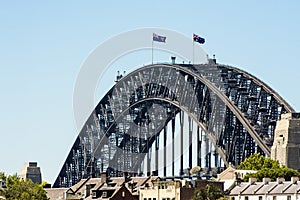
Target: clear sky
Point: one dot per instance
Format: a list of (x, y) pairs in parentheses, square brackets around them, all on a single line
[(43, 45)]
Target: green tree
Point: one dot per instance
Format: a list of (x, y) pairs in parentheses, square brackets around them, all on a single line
[(254, 162), (2, 176), (210, 192), (266, 167), (17, 189)]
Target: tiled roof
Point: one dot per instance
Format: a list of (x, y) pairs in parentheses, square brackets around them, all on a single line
[(112, 184), (78, 185), (118, 180), (265, 188), (252, 188), (293, 188), (231, 172), (272, 188), (109, 188), (139, 180), (238, 188), (280, 188)]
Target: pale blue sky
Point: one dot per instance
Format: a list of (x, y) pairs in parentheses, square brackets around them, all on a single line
[(43, 44)]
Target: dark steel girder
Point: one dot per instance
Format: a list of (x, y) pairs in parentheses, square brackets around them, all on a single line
[(235, 109)]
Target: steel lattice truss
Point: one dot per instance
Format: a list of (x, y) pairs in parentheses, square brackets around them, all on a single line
[(237, 111)]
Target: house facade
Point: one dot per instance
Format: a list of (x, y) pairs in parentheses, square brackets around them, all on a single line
[(231, 175), (116, 188), (132, 188), (174, 189)]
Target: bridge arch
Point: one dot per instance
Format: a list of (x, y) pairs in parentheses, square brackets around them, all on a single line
[(236, 110)]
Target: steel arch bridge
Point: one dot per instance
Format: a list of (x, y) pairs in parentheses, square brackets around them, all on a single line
[(210, 114)]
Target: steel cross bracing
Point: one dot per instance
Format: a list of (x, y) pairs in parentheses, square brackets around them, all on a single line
[(237, 112)]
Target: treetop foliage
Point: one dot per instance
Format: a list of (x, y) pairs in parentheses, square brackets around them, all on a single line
[(266, 167), (210, 192), (17, 189)]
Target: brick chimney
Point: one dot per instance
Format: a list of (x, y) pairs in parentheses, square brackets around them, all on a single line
[(154, 173), (266, 180), (280, 180), (294, 179), (125, 176), (252, 180), (88, 188), (103, 177)]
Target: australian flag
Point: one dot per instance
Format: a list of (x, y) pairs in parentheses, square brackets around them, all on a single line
[(159, 38), (199, 39)]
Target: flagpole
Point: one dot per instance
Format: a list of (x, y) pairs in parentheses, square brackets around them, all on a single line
[(193, 50), (152, 51)]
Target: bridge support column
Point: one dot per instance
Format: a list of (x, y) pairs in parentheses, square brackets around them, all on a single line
[(165, 151), (173, 149), (286, 146), (181, 142), (190, 142), (156, 153), (149, 154), (204, 150), (198, 147)]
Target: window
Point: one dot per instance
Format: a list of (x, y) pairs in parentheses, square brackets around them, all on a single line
[(104, 194), (94, 194), (260, 198), (246, 198), (274, 197), (288, 197)]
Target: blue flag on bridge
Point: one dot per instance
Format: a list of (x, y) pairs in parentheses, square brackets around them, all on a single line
[(159, 38), (199, 39)]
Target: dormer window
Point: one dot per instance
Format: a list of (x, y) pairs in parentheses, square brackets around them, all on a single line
[(94, 194), (104, 194)]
